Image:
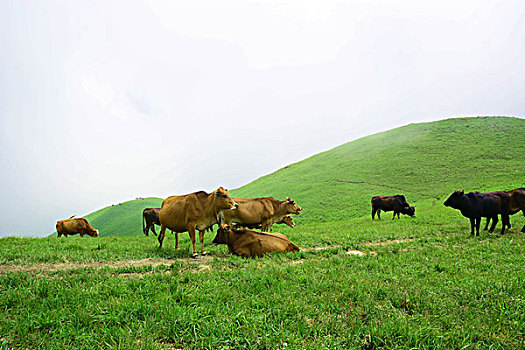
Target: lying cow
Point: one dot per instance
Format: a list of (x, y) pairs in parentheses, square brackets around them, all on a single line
[(249, 243), (150, 216), (475, 205), (396, 203), (517, 203), (75, 226), (194, 211), (260, 211)]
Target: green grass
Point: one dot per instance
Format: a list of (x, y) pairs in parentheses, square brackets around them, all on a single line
[(439, 288)]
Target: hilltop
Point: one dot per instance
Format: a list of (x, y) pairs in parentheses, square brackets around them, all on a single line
[(424, 161)]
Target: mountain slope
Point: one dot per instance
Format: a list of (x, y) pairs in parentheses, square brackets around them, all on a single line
[(424, 161)]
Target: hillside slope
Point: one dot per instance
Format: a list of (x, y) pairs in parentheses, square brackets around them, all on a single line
[(424, 161), (123, 219)]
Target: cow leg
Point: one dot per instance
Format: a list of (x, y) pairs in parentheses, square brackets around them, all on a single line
[(487, 225), (504, 222), (478, 222), (161, 235), (373, 213), (472, 226), (176, 240), (393, 217), (191, 231), (153, 229), (201, 236), (379, 214), (265, 225), (494, 222)]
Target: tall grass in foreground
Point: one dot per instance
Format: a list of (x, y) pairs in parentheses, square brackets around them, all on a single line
[(438, 288)]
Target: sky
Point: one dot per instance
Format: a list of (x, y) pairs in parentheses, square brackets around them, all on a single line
[(106, 101)]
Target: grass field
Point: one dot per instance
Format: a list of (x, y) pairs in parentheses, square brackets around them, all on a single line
[(412, 283)]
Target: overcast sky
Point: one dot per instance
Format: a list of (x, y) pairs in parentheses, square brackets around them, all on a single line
[(105, 101)]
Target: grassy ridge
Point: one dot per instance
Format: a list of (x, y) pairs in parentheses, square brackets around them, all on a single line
[(423, 161)]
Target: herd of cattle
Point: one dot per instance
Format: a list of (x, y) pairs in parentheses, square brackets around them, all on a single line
[(238, 217)]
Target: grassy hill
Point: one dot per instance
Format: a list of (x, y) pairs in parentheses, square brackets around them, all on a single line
[(425, 162)]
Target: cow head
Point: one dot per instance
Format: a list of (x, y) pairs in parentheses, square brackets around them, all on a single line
[(223, 200), (291, 206), (409, 210), (223, 234), (455, 200), (94, 233), (288, 220)]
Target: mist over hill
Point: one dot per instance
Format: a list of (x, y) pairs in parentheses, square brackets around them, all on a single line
[(424, 161)]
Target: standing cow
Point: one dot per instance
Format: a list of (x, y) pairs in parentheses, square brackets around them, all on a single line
[(517, 203), (396, 203), (75, 226), (475, 205), (150, 216), (260, 211), (194, 211), (249, 243)]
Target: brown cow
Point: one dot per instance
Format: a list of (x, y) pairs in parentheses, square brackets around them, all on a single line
[(396, 203), (288, 220), (75, 226), (194, 211), (151, 217), (516, 203), (264, 211), (250, 243)]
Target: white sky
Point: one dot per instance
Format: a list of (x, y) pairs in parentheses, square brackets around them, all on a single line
[(105, 101)]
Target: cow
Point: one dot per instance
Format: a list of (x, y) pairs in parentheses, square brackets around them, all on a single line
[(288, 220), (517, 203), (150, 216), (396, 203), (75, 226), (249, 243), (264, 211), (194, 211), (475, 205)]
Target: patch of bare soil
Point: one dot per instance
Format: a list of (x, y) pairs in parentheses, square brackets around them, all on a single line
[(392, 241), (101, 264)]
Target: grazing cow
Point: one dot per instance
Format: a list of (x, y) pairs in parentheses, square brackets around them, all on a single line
[(396, 203), (151, 217), (194, 211), (75, 226), (475, 205), (260, 211), (250, 243), (517, 203), (288, 220)]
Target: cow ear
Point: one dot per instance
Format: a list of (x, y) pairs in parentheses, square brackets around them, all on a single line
[(461, 192), (217, 193)]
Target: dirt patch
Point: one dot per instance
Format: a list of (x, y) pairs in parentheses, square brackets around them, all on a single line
[(392, 241), (311, 249), (101, 264)]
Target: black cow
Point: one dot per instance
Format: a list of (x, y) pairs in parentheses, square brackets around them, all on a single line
[(396, 203), (475, 205), (151, 217)]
